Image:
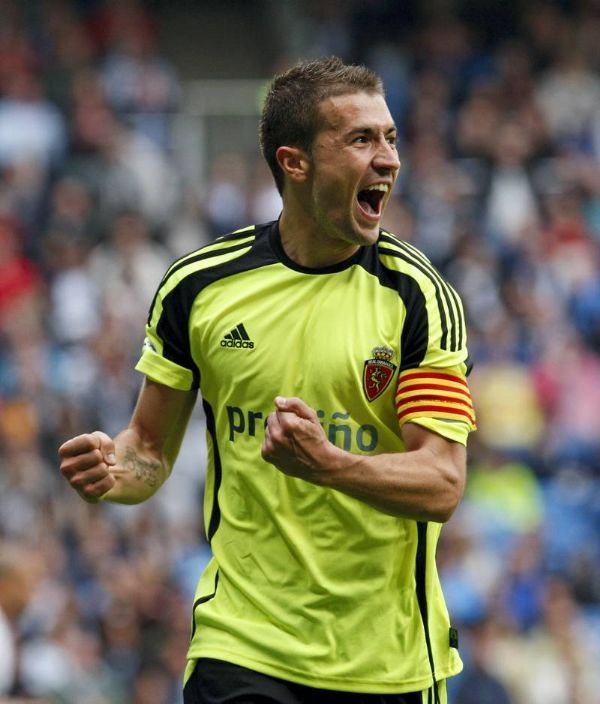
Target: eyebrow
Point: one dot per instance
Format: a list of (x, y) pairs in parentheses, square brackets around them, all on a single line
[(370, 131)]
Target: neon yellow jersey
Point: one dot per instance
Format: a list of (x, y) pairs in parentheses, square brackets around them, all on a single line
[(306, 583)]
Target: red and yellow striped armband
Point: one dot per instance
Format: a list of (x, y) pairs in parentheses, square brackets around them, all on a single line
[(432, 393)]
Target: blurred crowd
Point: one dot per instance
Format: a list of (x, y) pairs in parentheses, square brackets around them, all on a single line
[(500, 186)]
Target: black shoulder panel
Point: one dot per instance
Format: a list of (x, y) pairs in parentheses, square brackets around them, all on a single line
[(453, 328), (415, 333), (173, 326)]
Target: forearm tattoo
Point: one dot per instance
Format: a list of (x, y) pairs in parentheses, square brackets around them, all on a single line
[(146, 470)]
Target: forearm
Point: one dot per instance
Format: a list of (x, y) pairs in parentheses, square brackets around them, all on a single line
[(425, 482), (146, 451), (140, 469), (129, 468), (417, 484)]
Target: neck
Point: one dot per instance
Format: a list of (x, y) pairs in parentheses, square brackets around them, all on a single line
[(306, 243)]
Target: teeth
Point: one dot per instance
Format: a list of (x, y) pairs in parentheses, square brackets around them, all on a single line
[(378, 187)]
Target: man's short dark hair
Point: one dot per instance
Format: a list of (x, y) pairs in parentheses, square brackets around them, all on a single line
[(290, 115)]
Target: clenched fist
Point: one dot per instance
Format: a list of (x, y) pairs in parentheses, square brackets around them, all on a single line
[(296, 443), (86, 462)]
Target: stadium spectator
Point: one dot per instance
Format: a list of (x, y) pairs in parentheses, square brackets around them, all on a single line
[(480, 684), (226, 199), (31, 127), (17, 578), (20, 278), (141, 86)]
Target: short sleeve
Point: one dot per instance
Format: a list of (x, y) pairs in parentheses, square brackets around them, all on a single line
[(166, 354), (438, 400), (432, 388)]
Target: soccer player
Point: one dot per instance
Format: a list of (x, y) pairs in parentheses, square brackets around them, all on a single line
[(331, 360)]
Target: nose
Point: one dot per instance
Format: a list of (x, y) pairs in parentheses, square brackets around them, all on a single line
[(386, 156)]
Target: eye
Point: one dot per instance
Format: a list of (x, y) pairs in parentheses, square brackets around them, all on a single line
[(361, 139), (392, 139)]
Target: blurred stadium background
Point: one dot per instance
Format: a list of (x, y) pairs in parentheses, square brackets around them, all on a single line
[(128, 137)]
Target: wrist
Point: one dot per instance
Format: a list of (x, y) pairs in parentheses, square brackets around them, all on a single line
[(334, 466)]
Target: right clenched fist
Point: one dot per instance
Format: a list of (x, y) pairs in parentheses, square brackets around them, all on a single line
[(86, 462)]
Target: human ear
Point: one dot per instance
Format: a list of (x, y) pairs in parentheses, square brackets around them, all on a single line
[(294, 163)]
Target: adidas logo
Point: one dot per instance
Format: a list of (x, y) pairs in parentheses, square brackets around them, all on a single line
[(238, 337)]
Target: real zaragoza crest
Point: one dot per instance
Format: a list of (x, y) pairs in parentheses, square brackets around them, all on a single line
[(378, 372)]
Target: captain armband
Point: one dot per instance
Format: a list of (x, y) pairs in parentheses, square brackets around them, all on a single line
[(433, 393)]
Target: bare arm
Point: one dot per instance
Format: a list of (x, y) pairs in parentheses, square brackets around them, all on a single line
[(424, 483), (130, 468)]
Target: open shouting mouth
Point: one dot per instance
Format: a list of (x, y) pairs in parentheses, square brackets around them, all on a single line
[(370, 200)]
